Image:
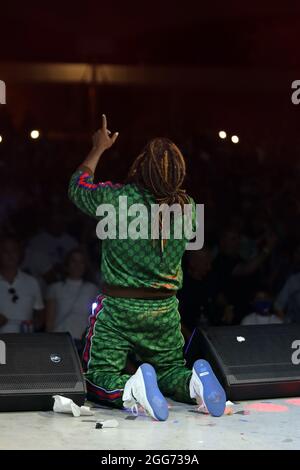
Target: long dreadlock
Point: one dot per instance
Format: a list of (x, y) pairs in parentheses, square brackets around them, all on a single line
[(160, 169)]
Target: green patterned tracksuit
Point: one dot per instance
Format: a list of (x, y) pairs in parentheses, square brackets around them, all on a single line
[(151, 328)]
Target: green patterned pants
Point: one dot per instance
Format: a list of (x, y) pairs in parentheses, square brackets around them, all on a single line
[(150, 328)]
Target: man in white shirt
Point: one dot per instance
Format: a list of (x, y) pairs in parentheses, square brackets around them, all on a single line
[(262, 311), (21, 304)]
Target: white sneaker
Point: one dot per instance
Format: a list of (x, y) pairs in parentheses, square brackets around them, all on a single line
[(142, 389), (205, 386)]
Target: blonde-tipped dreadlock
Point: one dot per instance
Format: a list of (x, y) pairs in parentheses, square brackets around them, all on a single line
[(160, 169)]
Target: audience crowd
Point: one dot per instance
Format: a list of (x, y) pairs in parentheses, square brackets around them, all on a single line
[(248, 271)]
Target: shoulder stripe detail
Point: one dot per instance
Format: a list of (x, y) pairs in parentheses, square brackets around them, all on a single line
[(83, 181)]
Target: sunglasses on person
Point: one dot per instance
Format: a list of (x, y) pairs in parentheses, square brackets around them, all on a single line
[(14, 295)]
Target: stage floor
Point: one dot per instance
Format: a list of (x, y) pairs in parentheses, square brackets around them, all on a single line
[(267, 424)]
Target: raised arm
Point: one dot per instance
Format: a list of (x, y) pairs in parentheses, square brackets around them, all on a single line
[(83, 192), (102, 140)]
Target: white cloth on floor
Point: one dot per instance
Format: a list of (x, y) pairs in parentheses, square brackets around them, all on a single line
[(66, 405)]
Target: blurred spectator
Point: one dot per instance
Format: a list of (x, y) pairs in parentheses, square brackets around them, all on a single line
[(46, 250), (287, 303), (196, 298), (262, 310), (237, 278), (69, 302), (281, 266), (248, 248), (21, 304)]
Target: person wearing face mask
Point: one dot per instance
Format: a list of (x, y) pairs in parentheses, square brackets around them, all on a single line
[(262, 310)]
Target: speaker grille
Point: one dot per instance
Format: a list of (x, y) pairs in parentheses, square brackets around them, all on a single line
[(38, 382), (264, 372)]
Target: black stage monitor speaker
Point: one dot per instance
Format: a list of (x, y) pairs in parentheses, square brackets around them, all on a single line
[(251, 362), (36, 366)]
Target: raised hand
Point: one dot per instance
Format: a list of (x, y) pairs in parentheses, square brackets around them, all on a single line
[(102, 139)]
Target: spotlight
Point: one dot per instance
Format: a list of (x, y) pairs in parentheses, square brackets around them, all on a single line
[(235, 139), (34, 134), (222, 135), (1, 140)]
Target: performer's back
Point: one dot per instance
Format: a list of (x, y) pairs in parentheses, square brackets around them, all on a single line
[(130, 262)]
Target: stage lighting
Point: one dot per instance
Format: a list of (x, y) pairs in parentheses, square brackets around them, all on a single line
[(222, 135), (235, 139), (1, 139), (34, 134)]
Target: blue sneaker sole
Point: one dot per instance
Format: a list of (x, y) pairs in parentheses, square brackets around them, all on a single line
[(213, 392), (155, 398)]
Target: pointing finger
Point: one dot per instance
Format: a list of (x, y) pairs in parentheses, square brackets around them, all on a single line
[(104, 122)]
